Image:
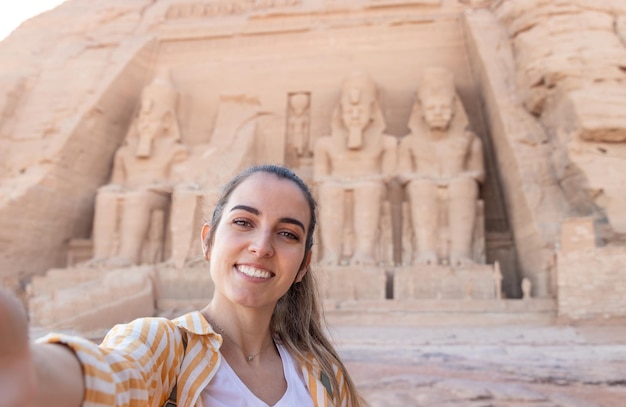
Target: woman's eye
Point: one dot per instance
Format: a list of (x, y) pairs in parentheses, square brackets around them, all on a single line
[(242, 222), (290, 235)]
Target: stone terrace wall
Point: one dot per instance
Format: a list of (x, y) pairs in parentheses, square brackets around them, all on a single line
[(591, 280), (592, 284)]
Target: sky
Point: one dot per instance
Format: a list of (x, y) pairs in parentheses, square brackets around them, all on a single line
[(12, 13)]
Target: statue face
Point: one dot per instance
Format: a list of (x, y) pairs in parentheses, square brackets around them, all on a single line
[(149, 126), (356, 108), (438, 110)]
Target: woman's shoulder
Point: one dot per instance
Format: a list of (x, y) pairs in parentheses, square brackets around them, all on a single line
[(146, 329), (192, 321)]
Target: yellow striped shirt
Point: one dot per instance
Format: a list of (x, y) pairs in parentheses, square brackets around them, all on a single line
[(137, 364)]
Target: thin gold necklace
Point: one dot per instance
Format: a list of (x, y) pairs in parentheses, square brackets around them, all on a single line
[(248, 357)]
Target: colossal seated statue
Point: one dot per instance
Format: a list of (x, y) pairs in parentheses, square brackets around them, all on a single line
[(138, 196), (356, 160), (441, 164), (233, 145)]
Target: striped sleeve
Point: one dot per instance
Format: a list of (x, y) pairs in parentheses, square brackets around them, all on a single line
[(135, 365)]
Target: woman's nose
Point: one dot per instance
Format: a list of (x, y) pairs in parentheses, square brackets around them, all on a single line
[(261, 244)]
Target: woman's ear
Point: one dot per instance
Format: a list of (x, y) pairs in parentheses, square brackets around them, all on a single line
[(304, 268), (204, 236)]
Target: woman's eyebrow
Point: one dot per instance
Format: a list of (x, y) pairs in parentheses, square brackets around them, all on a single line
[(293, 222), (256, 212), (246, 208)]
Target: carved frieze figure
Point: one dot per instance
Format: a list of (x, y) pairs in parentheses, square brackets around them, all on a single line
[(441, 164), (298, 123), (350, 169), (141, 181)]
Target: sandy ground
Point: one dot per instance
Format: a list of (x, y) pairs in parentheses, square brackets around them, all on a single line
[(520, 365)]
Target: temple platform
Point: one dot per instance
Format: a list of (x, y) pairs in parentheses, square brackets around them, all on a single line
[(184, 288), (476, 281), (352, 283), (421, 313)]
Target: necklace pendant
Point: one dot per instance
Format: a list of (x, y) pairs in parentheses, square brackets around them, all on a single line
[(250, 357)]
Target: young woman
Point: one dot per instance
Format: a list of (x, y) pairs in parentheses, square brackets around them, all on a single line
[(259, 342)]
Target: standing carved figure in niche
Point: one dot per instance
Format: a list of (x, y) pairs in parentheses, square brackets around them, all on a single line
[(441, 163), (141, 180), (298, 123), (358, 158)]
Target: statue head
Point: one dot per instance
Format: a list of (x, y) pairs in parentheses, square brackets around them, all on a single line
[(157, 112), (357, 106), (299, 102), (436, 93), (437, 106)]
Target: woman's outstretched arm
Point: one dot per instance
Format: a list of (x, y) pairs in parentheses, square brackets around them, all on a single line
[(33, 375)]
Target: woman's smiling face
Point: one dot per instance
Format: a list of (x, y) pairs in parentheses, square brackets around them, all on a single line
[(259, 245)]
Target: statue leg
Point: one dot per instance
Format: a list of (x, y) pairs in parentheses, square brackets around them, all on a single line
[(185, 202), (105, 223), (462, 196), (367, 202), (332, 216), (425, 220), (138, 206)]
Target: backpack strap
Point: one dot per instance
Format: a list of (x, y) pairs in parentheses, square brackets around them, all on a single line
[(171, 401)]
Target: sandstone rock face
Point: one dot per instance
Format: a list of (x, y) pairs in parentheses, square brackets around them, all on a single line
[(265, 81), (577, 89)]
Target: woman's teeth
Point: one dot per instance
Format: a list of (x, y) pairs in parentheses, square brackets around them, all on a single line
[(254, 272)]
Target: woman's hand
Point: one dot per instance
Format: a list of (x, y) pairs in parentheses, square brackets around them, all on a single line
[(17, 370)]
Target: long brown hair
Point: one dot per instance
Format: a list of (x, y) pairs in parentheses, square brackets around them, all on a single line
[(297, 318)]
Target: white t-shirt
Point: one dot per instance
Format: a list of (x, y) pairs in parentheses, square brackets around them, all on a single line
[(227, 390)]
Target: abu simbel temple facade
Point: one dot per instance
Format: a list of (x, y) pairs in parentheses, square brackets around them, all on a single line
[(464, 154)]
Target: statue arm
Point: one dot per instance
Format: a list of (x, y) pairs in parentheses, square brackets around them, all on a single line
[(406, 169), (408, 164), (475, 163), (118, 174), (174, 172), (321, 164), (390, 157), (181, 154)]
